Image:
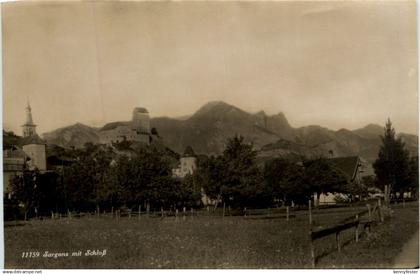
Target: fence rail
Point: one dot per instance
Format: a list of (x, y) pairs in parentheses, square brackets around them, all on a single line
[(355, 222), (318, 234)]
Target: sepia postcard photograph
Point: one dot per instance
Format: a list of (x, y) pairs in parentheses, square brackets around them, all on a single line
[(210, 135)]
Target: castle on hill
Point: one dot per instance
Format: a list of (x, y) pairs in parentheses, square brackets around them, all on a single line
[(136, 130)]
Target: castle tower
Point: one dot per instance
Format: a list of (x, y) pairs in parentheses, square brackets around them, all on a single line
[(141, 120), (29, 126)]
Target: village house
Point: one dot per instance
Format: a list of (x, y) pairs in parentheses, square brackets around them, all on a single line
[(187, 163), (14, 162), (353, 167), (28, 153)]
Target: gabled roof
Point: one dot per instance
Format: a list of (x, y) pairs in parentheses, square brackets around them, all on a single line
[(348, 165), (14, 152), (114, 125), (189, 152)]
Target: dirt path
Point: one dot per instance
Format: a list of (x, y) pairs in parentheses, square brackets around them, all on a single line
[(409, 257)]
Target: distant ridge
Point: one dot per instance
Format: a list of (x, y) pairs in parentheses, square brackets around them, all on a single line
[(207, 130), (72, 136)]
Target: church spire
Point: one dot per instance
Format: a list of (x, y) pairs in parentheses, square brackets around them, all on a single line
[(29, 126)]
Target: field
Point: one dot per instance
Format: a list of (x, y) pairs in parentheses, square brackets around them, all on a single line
[(207, 242)]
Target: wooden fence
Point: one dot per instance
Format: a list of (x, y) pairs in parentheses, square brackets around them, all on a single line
[(357, 222), (252, 214)]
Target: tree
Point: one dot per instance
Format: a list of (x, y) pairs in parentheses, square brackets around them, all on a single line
[(190, 194), (241, 180), (355, 190), (85, 182), (145, 177), (210, 175), (392, 165), (26, 191), (414, 175), (322, 177), (233, 177), (284, 181)]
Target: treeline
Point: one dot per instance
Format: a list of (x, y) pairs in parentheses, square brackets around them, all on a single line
[(105, 178), (237, 179)]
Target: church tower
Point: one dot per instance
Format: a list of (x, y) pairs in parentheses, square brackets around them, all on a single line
[(29, 126)]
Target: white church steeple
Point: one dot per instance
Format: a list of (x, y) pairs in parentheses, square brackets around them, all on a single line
[(29, 126)]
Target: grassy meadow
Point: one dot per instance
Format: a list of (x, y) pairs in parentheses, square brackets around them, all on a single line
[(207, 241)]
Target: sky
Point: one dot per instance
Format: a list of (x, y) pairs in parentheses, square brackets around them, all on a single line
[(336, 64)]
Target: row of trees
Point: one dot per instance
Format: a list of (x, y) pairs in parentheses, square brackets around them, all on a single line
[(102, 177), (239, 180)]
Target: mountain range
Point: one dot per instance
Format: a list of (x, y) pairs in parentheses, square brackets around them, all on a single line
[(208, 129)]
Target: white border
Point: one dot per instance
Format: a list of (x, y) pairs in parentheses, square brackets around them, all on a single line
[(341, 271)]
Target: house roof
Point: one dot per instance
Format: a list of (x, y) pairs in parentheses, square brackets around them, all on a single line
[(114, 125), (141, 110), (14, 152), (59, 160), (348, 165), (189, 152)]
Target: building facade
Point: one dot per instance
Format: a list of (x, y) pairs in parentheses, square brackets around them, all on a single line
[(37, 156), (187, 163), (136, 130), (14, 163), (29, 153)]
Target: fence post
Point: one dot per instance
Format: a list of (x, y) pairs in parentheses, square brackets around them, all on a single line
[(52, 215), (357, 229), (287, 213), (161, 211), (381, 216), (312, 248), (245, 211), (224, 207), (310, 212), (176, 214), (147, 210), (97, 211), (139, 212)]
